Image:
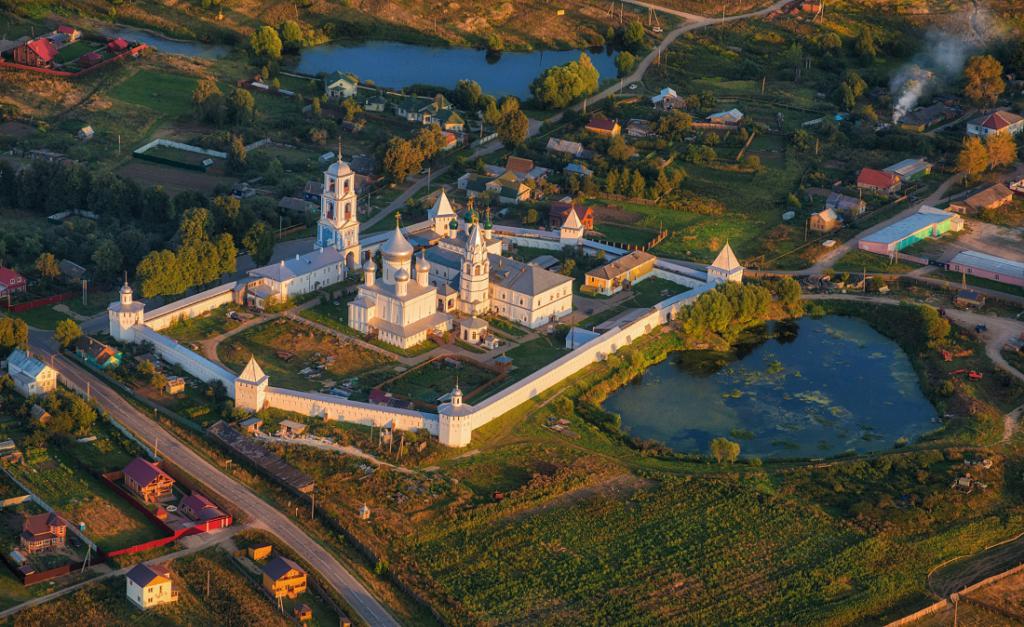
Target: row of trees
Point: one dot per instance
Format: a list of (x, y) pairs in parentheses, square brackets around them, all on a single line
[(977, 156), (197, 260), (212, 106)]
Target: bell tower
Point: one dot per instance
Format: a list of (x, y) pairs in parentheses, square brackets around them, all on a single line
[(338, 225), (475, 278)]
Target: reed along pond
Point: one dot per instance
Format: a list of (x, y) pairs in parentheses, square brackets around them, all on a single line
[(811, 388)]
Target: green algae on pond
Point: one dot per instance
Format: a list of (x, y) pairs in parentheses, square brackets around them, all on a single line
[(818, 387)]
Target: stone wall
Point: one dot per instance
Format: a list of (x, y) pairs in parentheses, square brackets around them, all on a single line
[(189, 361), (592, 352), (191, 306), (336, 408)]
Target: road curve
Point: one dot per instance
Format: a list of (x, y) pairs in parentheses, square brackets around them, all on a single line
[(263, 515)]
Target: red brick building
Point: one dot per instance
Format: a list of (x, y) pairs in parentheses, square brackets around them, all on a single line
[(37, 53)]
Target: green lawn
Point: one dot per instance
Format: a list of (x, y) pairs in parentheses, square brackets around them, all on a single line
[(531, 356), (429, 381), (165, 92), (208, 325), (75, 50), (859, 261), (621, 234)]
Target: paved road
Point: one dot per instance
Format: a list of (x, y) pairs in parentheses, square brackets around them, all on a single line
[(263, 515)]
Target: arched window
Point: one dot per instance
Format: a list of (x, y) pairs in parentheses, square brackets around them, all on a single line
[(348, 211), (477, 270), (330, 210)]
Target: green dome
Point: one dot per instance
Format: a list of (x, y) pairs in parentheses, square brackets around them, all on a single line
[(454, 224)]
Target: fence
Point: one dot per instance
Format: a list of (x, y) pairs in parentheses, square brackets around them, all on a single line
[(39, 302), (64, 73)]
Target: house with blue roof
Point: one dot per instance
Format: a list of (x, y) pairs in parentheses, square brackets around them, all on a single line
[(31, 377)]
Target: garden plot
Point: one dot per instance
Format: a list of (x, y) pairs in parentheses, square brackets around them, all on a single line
[(298, 357), (429, 382)]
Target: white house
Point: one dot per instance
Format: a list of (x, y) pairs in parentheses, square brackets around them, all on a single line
[(31, 376), (667, 99), (340, 86), (995, 123), (149, 585)]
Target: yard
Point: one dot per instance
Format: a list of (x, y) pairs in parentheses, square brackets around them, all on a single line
[(166, 92), (71, 52), (284, 348), (210, 324), (531, 356), (427, 382), (859, 261)]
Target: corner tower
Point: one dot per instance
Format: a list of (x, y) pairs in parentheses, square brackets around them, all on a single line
[(125, 314)]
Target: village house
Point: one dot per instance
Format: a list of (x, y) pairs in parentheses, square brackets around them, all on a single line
[(67, 34), (824, 221), (97, 353), (71, 270), (577, 169), (910, 169), (523, 169), (991, 197), (640, 128), (450, 120), (920, 119), (506, 188), (149, 585), (86, 133), (338, 86), (147, 480), (42, 532), (39, 52), (376, 103), (303, 613), (39, 415), (732, 117), (175, 385), (624, 271), (667, 99), (283, 578), (31, 377), (198, 507), (559, 212), (878, 182), (996, 122), (603, 126), (424, 111), (566, 147), (847, 206), (11, 282), (116, 45), (313, 192)]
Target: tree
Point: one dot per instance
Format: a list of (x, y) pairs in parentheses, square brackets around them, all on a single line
[(830, 42), (625, 62), (265, 44), (611, 182), (662, 186), (531, 216), (467, 94), (13, 334), (237, 156), (568, 267), (619, 150), (633, 35), (1002, 150), (637, 185), (725, 450), (292, 38), (350, 108), (108, 259), (984, 75), (973, 157), (259, 241), (242, 107), (674, 125), (67, 332), (753, 163), (495, 43), (46, 265), (513, 128), (208, 101), (400, 159), (865, 44), (560, 85)]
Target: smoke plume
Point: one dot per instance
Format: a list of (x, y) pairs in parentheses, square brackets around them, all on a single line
[(942, 59)]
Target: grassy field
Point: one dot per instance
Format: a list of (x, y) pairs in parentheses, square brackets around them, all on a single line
[(428, 382), (71, 52), (208, 325), (283, 348), (859, 261), (165, 92), (976, 281), (531, 356)]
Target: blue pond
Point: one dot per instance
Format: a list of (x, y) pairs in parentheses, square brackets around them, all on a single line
[(818, 388), (397, 65)]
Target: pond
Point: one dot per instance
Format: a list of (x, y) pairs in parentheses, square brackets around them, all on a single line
[(169, 46), (397, 65), (816, 388)]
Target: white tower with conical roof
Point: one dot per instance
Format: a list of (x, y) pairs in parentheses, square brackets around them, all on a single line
[(339, 225), (571, 231), (726, 268), (442, 214), (474, 279), (251, 387)]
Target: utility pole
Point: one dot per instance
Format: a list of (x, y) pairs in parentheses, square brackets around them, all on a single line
[(207, 585), (312, 505)]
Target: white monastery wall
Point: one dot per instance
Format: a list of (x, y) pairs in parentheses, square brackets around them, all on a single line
[(190, 306), (335, 408), (189, 361)]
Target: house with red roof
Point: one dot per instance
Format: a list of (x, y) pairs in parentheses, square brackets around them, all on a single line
[(559, 212), (147, 480), (11, 282), (90, 59), (603, 126), (879, 182), (38, 52), (117, 45), (996, 122), (43, 531), (198, 507), (69, 34)]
